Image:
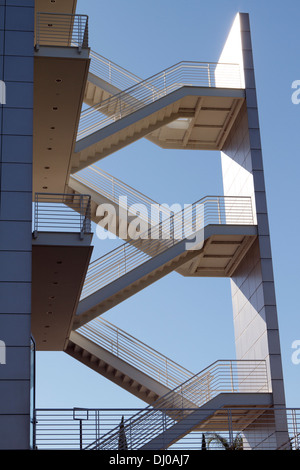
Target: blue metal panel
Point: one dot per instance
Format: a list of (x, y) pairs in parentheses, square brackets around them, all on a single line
[(15, 299), (18, 69), (16, 177), (18, 43), (16, 206), (16, 329), (19, 94), (15, 235), (17, 121), (15, 266), (17, 149)]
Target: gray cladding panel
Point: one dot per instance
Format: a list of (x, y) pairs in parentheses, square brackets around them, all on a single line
[(16, 129)]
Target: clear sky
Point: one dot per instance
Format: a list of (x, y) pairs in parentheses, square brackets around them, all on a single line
[(187, 319)]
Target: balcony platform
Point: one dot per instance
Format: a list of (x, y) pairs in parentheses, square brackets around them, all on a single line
[(60, 75), (222, 251), (59, 265)]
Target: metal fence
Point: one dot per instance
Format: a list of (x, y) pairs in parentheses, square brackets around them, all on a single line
[(62, 213), (237, 428), (61, 30)]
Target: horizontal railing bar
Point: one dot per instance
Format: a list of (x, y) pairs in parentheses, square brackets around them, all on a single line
[(61, 29), (233, 422), (59, 211)]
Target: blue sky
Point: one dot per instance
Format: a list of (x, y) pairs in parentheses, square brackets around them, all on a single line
[(190, 320)]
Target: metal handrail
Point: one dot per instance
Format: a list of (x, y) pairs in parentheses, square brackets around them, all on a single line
[(224, 376), (119, 192), (217, 210), (135, 352), (62, 212), (147, 91), (61, 30), (111, 72)]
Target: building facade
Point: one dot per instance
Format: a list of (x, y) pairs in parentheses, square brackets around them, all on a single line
[(50, 192)]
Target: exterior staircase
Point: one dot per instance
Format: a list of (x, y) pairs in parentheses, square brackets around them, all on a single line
[(180, 401), (124, 360), (121, 202), (153, 103), (165, 108), (162, 249), (189, 406)]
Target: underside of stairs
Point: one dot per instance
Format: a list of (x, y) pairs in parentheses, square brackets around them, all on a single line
[(120, 372), (118, 135)]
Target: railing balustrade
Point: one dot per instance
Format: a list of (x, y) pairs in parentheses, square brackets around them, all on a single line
[(119, 192), (62, 213), (61, 30), (217, 210), (111, 72)]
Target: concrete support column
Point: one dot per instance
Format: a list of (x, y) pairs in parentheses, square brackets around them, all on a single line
[(253, 291)]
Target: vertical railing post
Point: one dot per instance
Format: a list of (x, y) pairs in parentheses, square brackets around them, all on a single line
[(219, 212), (113, 187), (35, 232), (231, 377), (85, 41), (124, 251), (295, 430), (34, 425), (88, 216), (109, 73), (80, 216), (165, 83), (251, 209), (166, 363), (97, 426), (80, 434), (117, 343), (80, 419), (37, 29), (172, 229)]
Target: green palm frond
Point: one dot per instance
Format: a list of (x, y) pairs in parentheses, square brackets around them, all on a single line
[(236, 444)]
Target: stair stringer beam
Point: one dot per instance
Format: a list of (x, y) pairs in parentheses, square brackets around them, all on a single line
[(122, 373), (194, 419), (112, 147), (103, 85)]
